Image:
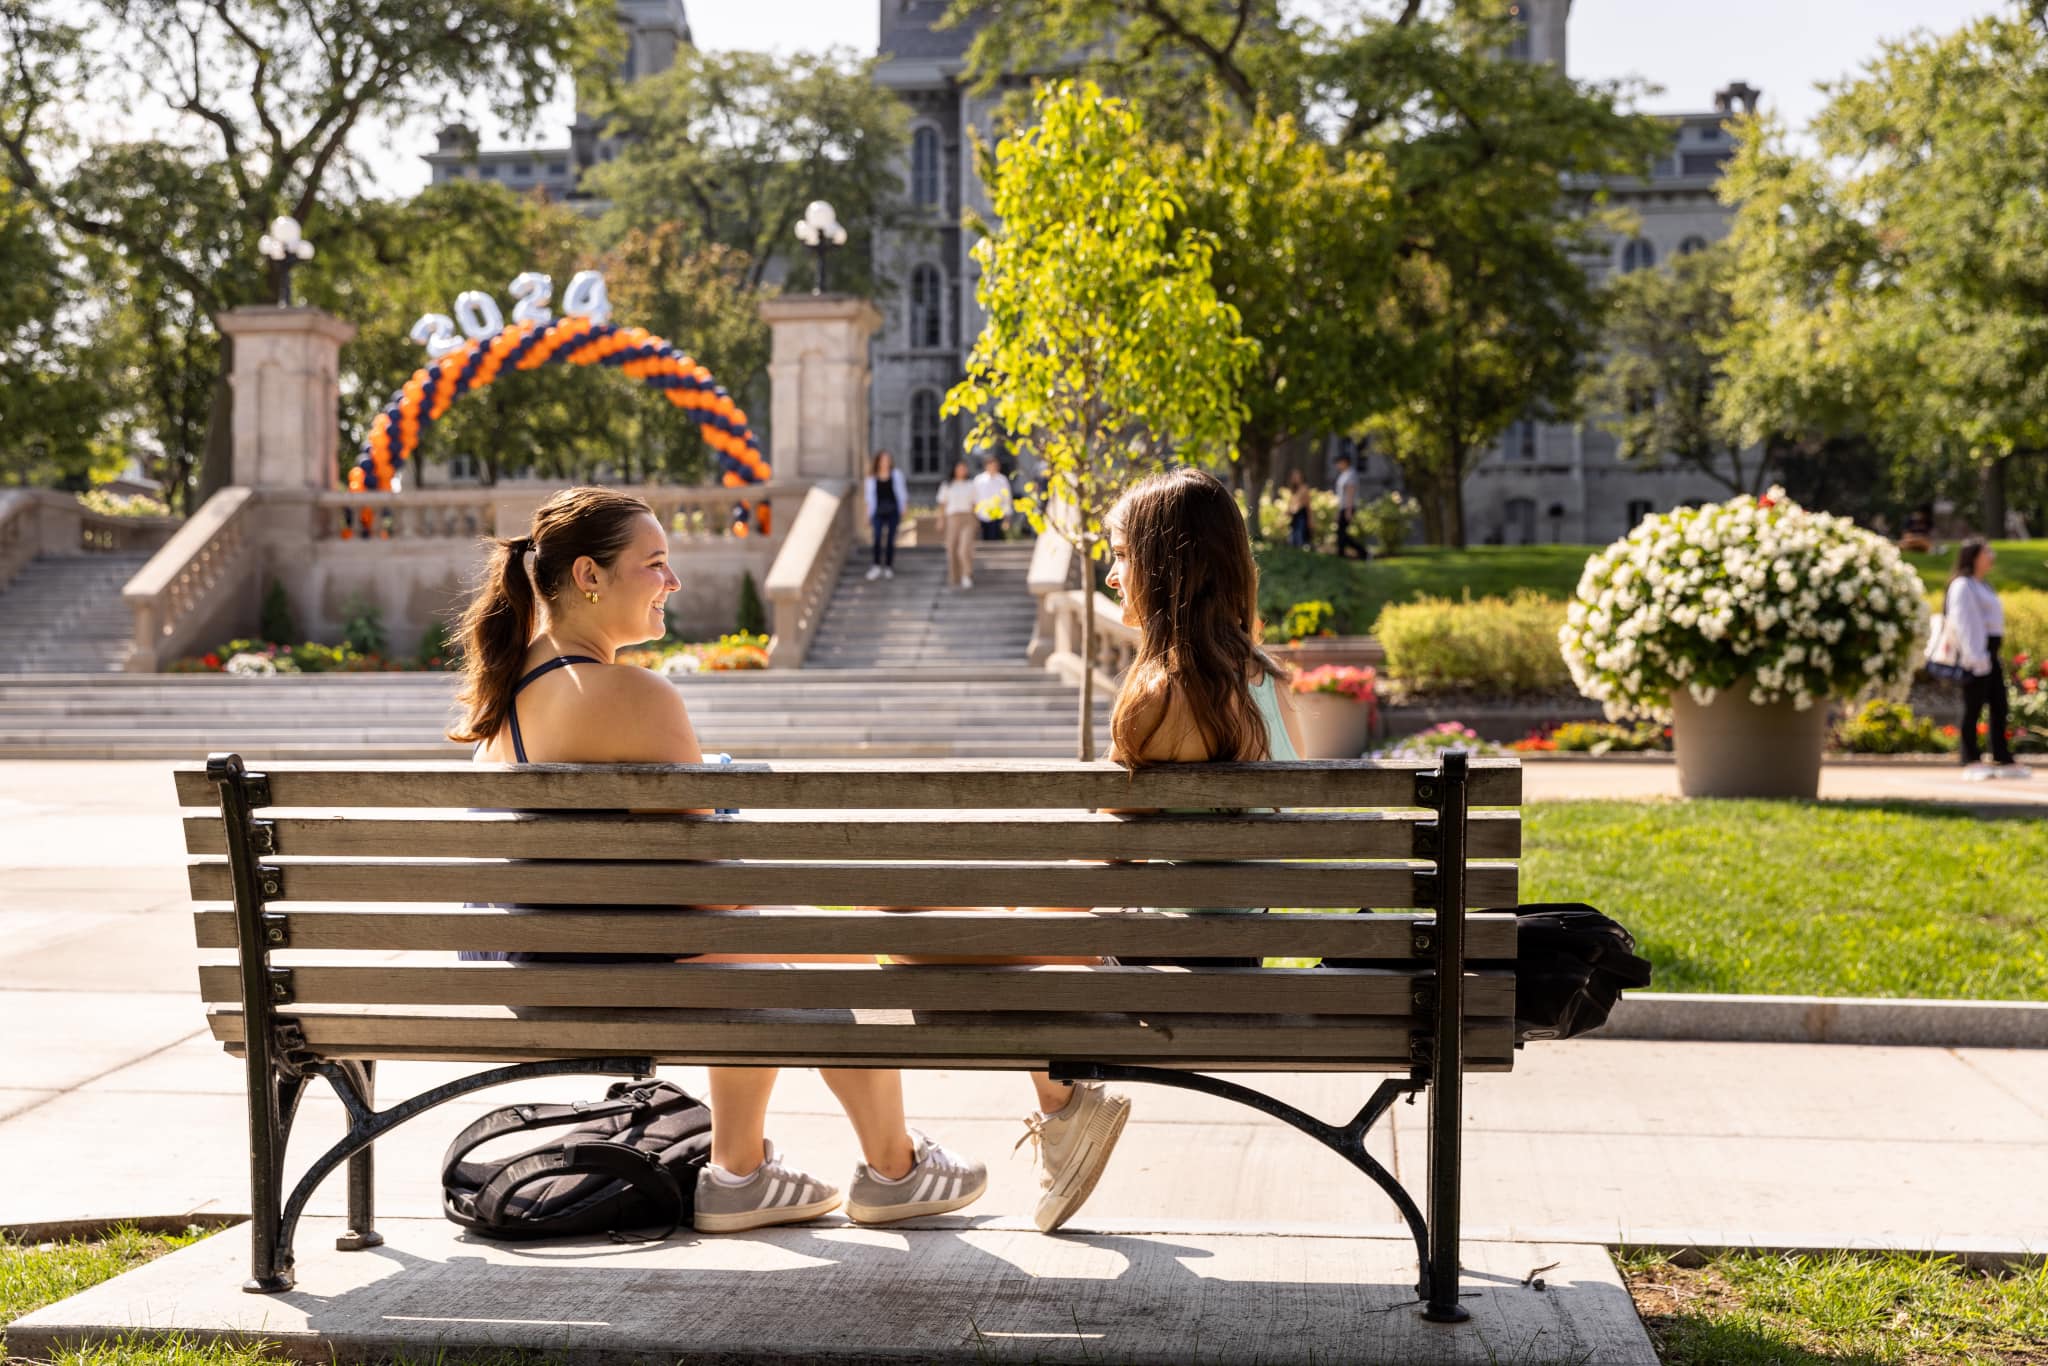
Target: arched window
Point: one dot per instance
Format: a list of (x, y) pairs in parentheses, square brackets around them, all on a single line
[(927, 307), (924, 432), (1638, 255), (1691, 245), (924, 167)]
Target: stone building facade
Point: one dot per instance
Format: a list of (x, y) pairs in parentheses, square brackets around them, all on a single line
[(1542, 481)]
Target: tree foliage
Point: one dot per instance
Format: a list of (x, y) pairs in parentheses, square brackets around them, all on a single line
[(1106, 351), (53, 399), (1895, 278), (1656, 390)]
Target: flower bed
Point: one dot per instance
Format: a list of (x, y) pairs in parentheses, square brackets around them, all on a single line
[(262, 659), (1804, 605)]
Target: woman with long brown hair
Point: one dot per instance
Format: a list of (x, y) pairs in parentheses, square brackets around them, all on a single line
[(541, 684)]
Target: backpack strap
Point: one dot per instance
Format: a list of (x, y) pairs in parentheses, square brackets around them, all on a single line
[(519, 1119), (595, 1157)]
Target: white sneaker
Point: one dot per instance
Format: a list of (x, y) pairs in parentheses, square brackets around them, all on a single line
[(874, 572), (2014, 770), (1977, 773), (1072, 1147), (967, 583), (888, 573)]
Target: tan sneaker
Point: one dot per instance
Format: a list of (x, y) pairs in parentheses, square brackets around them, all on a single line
[(1072, 1148)]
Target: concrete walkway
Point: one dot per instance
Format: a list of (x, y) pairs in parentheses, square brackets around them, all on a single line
[(1647, 1142)]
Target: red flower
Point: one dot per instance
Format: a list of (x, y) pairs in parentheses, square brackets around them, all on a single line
[(210, 660)]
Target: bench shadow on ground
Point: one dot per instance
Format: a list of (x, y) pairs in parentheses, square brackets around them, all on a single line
[(956, 1290)]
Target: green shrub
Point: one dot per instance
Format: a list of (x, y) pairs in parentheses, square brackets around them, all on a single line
[(363, 631), (1883, 727), (1388, 519), (752, 619), (2026, 622), (1305, 619), (276, 624), (1500, 646), (1322, 517), (1602, 737), (438, 650)]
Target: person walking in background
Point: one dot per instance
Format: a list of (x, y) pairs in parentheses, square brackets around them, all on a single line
[(992, 500), (1973, 614), (956, 505), (1297, 510), (1347, 508), (887, 497)]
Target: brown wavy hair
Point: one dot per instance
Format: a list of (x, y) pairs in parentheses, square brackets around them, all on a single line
[(1190, 580), (499, 622)]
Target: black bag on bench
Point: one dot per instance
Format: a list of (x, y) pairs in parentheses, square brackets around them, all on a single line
[(631, 1162)]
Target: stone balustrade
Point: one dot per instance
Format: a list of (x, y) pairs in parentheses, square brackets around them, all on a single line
[(1114, 647), (200, 586), (48, 522), (800, 582)]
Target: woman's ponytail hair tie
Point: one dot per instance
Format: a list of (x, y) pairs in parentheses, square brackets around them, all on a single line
[(519, 545)]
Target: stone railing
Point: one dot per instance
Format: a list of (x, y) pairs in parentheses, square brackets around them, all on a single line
[(1115, 644), (199, 580), (690, 514), (801, 580), (1053, 561), (46, 522)]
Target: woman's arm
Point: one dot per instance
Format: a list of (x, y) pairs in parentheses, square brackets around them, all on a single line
[(1967, 617)]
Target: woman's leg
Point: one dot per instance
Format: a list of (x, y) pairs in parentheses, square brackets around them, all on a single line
[(873, 1101), (875, 541), (1975, 695), (739, 1116), (968, 530), (888, 540), (2001, 748)]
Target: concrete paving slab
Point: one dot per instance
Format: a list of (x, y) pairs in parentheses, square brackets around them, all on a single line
[(2023, 1076), (13, 1102), (833, 1292), (155, 952), (54, 1040)]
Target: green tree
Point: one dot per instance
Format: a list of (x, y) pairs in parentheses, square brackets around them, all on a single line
[(53, 401), (1106, 351), (731, 146), (267, 96), (1895, 277), (1667, 329), (1304, 252)]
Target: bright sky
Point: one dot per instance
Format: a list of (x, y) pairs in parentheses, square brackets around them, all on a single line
[(1688, 47)]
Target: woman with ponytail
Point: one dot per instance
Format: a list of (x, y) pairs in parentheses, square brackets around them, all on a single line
[(541, 685)]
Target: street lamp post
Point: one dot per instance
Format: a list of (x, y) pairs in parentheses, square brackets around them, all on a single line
[(287, 250), (820, 230)]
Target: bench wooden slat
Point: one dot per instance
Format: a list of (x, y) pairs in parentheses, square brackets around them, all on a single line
[(554, 883), (940, 784), (868, 1038), (858, 987), (859, 835), (806, 930)]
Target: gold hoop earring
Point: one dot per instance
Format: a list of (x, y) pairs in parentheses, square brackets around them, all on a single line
[(591, 596)]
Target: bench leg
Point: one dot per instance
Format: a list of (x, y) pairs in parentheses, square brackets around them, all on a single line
[(362, 1194), (273, 1101)]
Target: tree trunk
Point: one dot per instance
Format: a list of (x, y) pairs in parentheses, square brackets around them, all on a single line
[(1991, 484), (1454, 499), (1087, 656)]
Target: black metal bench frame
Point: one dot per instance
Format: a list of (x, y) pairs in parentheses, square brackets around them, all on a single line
[(279, 1065)]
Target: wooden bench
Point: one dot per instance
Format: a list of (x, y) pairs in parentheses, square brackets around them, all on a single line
[(329, 908)]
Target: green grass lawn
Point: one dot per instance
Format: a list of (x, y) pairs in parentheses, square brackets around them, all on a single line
[(1807, 899), (1358, 591), (1750, 1309)]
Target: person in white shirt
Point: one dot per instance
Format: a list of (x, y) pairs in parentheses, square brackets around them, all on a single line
[(1974, 618), (992, 484), (1347, 508), (956, 505)]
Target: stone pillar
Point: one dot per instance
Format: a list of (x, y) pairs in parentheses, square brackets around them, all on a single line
[(818, 377), (287, 396)]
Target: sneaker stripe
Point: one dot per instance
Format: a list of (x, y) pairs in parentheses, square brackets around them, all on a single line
[(773, 1195)]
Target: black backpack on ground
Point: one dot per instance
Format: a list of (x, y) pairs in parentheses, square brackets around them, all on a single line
[(631, 1162), (1571, 965)]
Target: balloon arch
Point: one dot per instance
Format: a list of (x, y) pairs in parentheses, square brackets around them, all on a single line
[(583, 335)]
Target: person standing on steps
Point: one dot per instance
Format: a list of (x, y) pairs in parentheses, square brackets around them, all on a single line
[(1973, 614), (956, 506), (887, 496), (992, 495)]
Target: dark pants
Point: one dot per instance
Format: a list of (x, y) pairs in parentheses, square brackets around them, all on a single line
[(1979, 693), (884, 524), (992, 531), (1348, 543), (1297, 530)]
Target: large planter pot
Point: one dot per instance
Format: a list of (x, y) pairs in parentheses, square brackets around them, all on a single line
[(1333, 726), (1734, 748)]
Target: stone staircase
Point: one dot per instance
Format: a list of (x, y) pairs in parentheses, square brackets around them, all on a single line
[(1003, 712), (914, 621), (63, 614)]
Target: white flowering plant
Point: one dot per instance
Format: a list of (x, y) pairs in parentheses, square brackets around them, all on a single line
[(1803, 605)]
